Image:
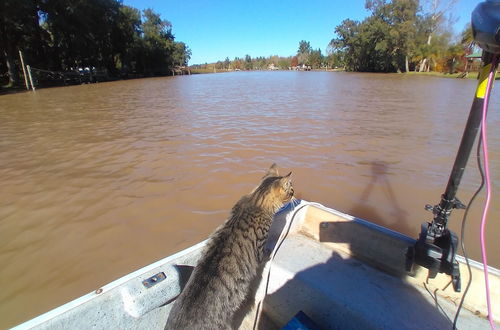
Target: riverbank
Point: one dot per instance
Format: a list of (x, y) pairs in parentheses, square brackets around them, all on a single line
[(61, 79), (19, 89), (470, 75)]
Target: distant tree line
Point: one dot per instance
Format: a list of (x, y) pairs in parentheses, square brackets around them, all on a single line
[(63, 35), (306, 57), (399, 35)]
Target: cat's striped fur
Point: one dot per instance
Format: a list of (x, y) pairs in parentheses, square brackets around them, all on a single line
[(231, 260)]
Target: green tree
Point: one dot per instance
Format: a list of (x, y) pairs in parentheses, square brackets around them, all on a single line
[(333, 61), (376, 46), (303, 52), (316, 59), (127, 38), (397, 21), (304, 47), (63, 35), (467, 39), (237, 63), (158, 42), (19, 30), (404, 30), (260, 63), (385, 41), (248, 62), (347, 45), (82, 32), (433, 18), (181, 54), (227, 63), (219, 65), (284, 63)]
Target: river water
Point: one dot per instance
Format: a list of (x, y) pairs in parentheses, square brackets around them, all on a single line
[(99, 180)]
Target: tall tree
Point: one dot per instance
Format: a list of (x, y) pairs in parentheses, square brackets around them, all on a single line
[(227, 63), (433, 18), (158, 41), (347, 45), (82, 32), (19, 30), (126, 38), (467, 39), (400, 17), (303, 52), (248, 62), (284, 63), (404, 29), (390, 39), (237, 63), (61, 35), (316, 59), (182, 54)]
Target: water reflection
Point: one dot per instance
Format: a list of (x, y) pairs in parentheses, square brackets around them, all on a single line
[(364, 209)]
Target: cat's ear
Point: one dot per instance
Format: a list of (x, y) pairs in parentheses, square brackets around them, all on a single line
[(285, 180), (272, 171)]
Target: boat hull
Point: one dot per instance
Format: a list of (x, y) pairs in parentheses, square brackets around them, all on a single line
[(343, 272)]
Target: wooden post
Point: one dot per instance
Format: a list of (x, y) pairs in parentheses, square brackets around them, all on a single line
[(24, 71), (31, 78)]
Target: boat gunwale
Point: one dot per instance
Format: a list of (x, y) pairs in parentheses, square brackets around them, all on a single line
[(411, 241), (38, 320)]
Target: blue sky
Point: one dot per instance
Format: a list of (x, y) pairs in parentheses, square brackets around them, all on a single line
[(220, 28)]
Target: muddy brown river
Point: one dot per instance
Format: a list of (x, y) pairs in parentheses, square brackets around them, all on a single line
[(100, 180)]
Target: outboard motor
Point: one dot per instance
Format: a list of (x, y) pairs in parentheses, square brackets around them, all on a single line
[(436, 246)]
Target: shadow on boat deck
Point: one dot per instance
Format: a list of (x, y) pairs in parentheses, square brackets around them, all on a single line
[(341, 291)]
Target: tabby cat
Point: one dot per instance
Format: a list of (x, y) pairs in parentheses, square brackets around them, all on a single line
[(232, 258)]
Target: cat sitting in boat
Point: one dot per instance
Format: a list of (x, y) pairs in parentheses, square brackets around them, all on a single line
[(232, 258)]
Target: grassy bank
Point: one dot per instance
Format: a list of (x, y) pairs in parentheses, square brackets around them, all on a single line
[(470, 75), (197, 71), (211, 70)]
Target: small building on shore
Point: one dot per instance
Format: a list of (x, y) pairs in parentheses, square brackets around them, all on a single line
[(473, 62)]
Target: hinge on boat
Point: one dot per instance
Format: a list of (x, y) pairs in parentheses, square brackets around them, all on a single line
[(153, 280)]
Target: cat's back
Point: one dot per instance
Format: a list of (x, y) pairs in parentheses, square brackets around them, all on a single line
[(232, 259), (220, 281)]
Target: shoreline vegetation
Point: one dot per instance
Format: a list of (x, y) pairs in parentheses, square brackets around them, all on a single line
[(403, 36), (470, 74), (62, 42), (210, 70)]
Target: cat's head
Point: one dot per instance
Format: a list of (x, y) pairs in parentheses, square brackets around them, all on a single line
[(274, 190)]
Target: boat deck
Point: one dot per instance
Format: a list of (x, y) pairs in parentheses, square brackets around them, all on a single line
[(338, 291)]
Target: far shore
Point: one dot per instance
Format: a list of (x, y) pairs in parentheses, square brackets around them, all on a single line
[(471, 75)]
